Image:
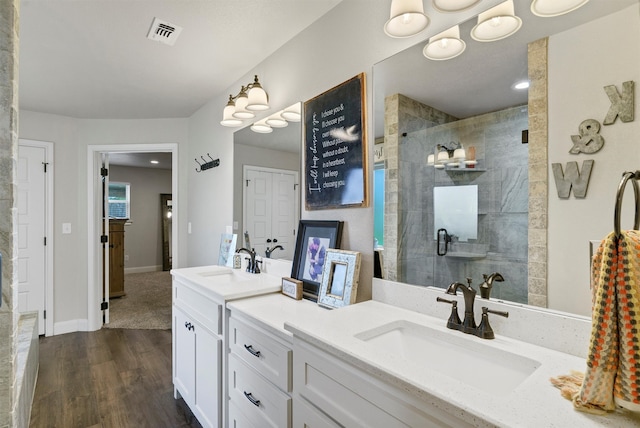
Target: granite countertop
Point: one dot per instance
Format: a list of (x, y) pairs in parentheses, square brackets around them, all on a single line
[(271, 311), (534, 402), (243, 284)]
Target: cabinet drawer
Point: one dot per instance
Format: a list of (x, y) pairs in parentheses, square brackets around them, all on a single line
[(260, 402), (200, 307), (267, 356), (237, 419)]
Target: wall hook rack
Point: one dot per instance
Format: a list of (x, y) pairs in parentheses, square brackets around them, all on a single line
[(206, 164)]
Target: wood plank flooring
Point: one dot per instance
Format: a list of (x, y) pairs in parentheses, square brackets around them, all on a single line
[(109, 378)]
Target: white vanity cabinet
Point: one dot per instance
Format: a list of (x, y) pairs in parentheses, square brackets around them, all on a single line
[(329, 392), (259, 377), (197, 353)]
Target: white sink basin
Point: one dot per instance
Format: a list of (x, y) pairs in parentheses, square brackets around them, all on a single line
[(452, 354), (216, 270)]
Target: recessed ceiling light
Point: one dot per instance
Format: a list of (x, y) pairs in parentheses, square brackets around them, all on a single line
[(154, 162), (521, 85)]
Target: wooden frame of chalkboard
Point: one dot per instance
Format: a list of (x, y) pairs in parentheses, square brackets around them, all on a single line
[(335, 147)]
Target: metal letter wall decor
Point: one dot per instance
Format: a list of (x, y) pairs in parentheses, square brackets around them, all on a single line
[(590, 141), (621, 105), (572, 178)]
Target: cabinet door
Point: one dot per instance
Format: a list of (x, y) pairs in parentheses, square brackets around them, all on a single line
[(307, 416), (184, 356), (208, 377)]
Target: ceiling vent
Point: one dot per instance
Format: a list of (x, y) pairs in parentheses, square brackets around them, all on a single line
[(164, 32)]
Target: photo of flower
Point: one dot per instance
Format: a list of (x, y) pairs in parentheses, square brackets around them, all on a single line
[(316, 252)]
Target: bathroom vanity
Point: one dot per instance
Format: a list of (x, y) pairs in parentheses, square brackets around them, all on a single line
[(199, 333), (271, 361)]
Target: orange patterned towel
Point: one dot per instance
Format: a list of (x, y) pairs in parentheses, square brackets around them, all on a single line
[(613, 363)]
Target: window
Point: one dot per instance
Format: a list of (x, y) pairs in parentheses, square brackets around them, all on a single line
[(119, 200)]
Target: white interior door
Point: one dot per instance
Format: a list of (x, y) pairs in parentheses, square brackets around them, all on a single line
[(32, 231), (283, 217), (258, 208), (271, 209)]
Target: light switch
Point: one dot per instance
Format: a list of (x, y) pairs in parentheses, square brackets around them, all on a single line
[(66, 228), (189, 228)]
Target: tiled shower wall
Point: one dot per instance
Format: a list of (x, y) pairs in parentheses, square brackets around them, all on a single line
[(502, 179)]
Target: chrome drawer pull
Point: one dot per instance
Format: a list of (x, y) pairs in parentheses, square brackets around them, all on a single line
[(250, 398), (252, 351)]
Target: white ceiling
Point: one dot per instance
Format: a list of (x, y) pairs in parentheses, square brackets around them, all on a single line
[(92, 58)]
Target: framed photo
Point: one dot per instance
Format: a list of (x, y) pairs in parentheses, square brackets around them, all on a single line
[(340, 276), (335, 147), (315, 238)]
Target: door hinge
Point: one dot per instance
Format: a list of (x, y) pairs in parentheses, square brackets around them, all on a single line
[(104, 306), (44, 164), (45, 241), (247, 185), (104, 172), (44, 314), (104, 239)]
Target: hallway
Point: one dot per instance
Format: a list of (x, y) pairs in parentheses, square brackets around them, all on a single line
[(107, 378)]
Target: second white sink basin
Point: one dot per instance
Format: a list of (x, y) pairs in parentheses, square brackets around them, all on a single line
[(452, 354)]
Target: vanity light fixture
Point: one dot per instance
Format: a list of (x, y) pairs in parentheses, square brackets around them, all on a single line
[(261, 127), (453, 5), (406, 19), (497, 23), (446, 45), (251, 97), (550, 8), (276, 120), (293, 113), (452, 156)]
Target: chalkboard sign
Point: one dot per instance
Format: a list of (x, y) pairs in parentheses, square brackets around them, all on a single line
[(335, 147)]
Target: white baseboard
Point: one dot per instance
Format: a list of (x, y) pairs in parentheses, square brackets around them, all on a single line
[(143, 269), (70, 326)]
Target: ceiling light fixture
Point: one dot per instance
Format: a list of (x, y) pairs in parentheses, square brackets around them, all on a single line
[(406, 19), (453, 5), (521, 85), (446, 45), (155, 162), (251, 97), (550, 8), (497, 23)]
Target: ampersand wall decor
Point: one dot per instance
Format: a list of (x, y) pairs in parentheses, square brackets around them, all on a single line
[(589, 141)]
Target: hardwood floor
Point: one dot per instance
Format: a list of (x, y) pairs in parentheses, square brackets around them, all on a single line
[(107, 378)]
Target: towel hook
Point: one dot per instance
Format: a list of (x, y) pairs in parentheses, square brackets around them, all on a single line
[(626, 176)]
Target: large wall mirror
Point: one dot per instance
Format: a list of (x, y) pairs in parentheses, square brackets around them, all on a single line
[(472, 101), (266, 189)]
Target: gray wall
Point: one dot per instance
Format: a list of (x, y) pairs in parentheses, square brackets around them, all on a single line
[(502, 180), (143, 237)]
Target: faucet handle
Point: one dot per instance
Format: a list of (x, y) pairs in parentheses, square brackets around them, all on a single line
[(484, 330), (469, 281), (453, 322)]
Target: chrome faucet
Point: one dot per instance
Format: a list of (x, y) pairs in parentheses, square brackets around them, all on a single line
[(252, 266), (469, 322), (268, 251), (485, 287)]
